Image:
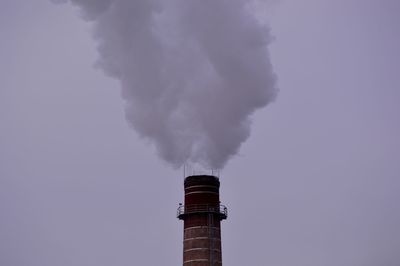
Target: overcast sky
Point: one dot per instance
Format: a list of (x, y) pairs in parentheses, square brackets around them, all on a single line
[(317, 183)]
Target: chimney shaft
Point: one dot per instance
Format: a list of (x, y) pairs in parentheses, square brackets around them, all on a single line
[(202, 214)]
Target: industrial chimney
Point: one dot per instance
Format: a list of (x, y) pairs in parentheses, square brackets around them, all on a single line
[(202, 214)]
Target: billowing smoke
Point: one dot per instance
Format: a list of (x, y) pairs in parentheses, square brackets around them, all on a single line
[(192, 71)]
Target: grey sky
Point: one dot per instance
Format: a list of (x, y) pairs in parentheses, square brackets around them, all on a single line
[(317, 183)]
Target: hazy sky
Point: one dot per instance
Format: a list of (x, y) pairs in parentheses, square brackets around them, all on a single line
[(317, 183)]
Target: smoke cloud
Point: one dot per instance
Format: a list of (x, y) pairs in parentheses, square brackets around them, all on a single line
[(191, 71)]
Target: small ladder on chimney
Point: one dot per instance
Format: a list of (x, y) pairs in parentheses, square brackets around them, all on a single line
[(211, 237)]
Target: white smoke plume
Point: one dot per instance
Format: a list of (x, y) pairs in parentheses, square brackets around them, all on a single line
[(191, 71)]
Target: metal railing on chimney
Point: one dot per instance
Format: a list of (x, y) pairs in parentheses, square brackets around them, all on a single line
[(220, 210)]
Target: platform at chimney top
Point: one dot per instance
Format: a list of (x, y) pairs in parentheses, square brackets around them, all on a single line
[(221, 211)]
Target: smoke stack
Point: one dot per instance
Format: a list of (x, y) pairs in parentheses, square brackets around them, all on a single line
[(202, 214)]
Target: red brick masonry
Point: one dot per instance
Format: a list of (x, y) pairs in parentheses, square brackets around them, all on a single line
[(202, 215)]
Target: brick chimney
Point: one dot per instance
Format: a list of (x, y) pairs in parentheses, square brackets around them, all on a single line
[(202, 214)]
